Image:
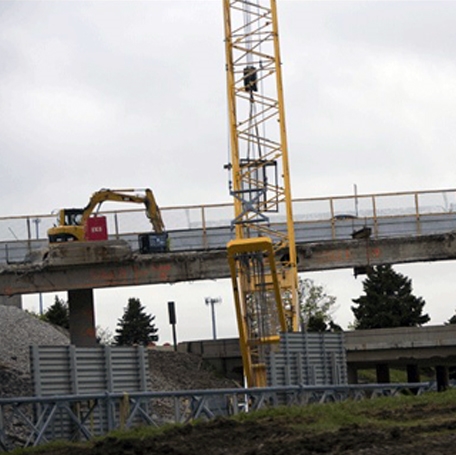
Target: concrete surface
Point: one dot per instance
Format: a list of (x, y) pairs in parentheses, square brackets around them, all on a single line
[(83, 266)]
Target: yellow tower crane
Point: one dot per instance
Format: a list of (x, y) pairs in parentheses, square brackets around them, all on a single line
[(262, 256)]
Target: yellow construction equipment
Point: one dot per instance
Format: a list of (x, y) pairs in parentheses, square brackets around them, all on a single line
[(262, 257), (72, 222)]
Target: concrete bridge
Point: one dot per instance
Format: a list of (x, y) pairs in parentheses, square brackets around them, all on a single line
[(356, 232), (407, 348)]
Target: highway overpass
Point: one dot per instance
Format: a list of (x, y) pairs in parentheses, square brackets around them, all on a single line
[(337, 232), (407, 348), (331, 233)]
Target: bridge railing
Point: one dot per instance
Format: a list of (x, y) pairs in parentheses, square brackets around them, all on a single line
[(319, 219), (376, 205)]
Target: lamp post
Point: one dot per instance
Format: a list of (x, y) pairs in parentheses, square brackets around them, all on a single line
[(173, 322), (210, 301), (37, 222)]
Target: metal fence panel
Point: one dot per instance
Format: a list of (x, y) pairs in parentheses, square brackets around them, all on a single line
[(63, 370), (68, 370), (308, 359)]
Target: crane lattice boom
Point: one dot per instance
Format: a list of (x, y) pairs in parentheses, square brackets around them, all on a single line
[(262, 258)]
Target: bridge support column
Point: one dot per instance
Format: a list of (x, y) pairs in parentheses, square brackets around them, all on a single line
[(442, 378), (413, 373), (82, 318), (352, 373), (14, 300), (383, 373)]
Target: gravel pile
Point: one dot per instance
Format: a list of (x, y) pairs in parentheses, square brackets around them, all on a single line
[(13, 383), (18, 331), (171, 370)]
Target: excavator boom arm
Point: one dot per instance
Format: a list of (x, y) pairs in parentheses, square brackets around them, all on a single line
[(73, 221), (128, 195)]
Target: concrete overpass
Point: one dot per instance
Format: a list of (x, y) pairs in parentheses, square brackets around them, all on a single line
[(408, 348), (411, 348), (110, 264), (341, 232)]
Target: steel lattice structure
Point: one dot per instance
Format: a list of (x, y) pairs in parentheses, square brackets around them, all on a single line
[(39, 419), (262, 257)]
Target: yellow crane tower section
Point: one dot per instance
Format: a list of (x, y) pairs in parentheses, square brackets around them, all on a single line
[(262, 256)]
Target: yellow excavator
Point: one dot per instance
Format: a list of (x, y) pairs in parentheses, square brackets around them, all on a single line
[(72, 222)]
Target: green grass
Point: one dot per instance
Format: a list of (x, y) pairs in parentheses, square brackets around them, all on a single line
[(142, 432), (382, 411), (397, 375), (45, 448)]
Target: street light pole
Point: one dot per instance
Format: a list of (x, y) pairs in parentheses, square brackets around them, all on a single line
[(210, 301), (173, 322), (37, 221)]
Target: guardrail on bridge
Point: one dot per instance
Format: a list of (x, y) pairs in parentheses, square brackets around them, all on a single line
[(203, 227)]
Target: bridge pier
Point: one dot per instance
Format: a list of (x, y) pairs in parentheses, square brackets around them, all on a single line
[(352, 373), (442, 377), (82, 317), (383, 373), (14, 300), (413, 373)]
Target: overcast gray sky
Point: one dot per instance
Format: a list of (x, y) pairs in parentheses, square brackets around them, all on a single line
[(132, 94)]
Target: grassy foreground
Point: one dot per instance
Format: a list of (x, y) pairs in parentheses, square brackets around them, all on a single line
[(318, 428)]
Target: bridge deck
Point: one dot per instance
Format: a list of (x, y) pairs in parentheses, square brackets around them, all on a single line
[(418, 230)]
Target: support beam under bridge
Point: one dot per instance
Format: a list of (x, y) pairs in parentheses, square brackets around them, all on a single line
[(100, 268)]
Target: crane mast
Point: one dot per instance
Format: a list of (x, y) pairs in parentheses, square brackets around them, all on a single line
[(262, 257)]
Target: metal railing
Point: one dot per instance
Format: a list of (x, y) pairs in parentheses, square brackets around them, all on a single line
[(316, 219), (30, 421), (372, 206)]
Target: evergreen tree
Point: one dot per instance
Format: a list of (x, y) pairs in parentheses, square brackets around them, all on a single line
[(58, 314), (388, 301), (135, 327), (315, 307)]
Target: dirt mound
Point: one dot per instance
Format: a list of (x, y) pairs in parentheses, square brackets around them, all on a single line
[(387, 426), (271, 436)]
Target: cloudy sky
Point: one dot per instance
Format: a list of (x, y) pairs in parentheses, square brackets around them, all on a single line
[(132, 94)]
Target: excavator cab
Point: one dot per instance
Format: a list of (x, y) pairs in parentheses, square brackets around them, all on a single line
[(72, 217), (68, 226)]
